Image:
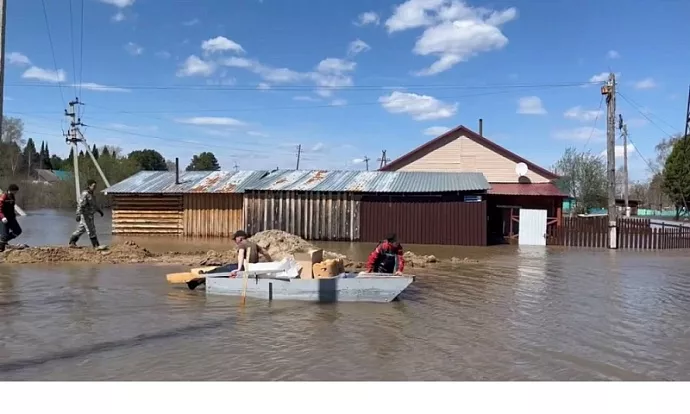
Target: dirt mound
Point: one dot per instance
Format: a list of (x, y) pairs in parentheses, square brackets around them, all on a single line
[(278, 244)]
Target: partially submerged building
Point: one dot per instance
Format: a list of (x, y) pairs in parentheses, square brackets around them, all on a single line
[(516, 183), (190, 203), (421, 207)]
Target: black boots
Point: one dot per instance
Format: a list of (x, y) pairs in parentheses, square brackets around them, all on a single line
[(73, 241), (94, 242)]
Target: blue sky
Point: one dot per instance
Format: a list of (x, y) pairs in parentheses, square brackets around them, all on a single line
[(252, 79)]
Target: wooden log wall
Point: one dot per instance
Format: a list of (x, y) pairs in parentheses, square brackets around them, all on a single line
[(147, 214), (212, 215), (312, 216)]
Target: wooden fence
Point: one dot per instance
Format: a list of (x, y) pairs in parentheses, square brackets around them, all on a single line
[(633, 233)]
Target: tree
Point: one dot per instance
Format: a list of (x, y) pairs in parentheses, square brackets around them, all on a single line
[(94, 151), (205, 161), (583, 177), (148, 159), (10, 143), (676, 175), (171, 165), (30, 157)]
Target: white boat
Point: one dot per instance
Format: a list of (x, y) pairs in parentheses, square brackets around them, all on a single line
[(346, 287)]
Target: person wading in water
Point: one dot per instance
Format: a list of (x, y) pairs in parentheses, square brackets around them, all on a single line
[(9, 226), (387, 257)]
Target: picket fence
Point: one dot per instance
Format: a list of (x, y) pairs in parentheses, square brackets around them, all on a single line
[(633, 233)]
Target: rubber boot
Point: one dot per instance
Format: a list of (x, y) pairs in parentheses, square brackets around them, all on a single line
[(2, 246), (96, 245), (73, 241)]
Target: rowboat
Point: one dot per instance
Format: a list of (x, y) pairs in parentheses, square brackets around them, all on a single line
[(345, 287)]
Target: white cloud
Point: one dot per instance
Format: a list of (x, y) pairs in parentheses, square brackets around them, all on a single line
[(580, 134), (612, 54), (435, 131), (583, 115), (195, 66), (119, 3), (620, 151), (134, 49), (221, 44), (530, 105), (356, 47), (335, 65), (306, 98), (454, 31), (602, 77), (211, 120), (338, 102), (118, 17), (100, 88), (318, 147), (419, 107), (45, 75), (357, 160), (192, 22), (263, 86), (18, 59), (366, 18), (647, 83), (257, 134)]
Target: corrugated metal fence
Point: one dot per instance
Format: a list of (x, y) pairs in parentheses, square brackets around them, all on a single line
[(424, 221), (633, 233), (312, 216)]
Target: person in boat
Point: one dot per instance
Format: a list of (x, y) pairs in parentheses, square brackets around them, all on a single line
[(387, 257), (9, 226), (86, 209), (247, 252)]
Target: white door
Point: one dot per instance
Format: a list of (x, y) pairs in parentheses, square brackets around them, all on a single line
[(532, 227)]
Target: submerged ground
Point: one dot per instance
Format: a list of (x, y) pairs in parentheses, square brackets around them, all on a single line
[(516, 314)]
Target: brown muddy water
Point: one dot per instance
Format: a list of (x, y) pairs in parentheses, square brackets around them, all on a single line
[(521, 314)]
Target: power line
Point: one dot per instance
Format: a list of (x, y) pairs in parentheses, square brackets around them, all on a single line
[(639, 109), (311, 87), (596, 119), (52, 50), (71, 41), (81, 49)]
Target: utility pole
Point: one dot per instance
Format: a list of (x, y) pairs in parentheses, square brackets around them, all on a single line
[(236, 167), (366, 162), (3, 22), (383, 160), (624, 133), (609, 90), (687, 115), (299, 154), (73, 137)]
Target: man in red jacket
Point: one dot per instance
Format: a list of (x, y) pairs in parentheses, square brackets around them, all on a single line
[(387, 257), (9, 227)]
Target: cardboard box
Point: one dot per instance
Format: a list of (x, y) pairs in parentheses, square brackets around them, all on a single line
[(307, 261)]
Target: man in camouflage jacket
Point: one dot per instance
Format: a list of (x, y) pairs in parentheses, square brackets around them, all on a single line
[(86, 209)]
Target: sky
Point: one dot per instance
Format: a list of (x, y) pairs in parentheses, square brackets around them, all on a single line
[(250, 80)]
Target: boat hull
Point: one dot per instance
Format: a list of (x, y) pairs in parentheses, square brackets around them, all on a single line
[(348, 287)]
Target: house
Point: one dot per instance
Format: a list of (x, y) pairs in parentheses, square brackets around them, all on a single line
[(367, 205), (515, 181), (53, 176), (190, 203)]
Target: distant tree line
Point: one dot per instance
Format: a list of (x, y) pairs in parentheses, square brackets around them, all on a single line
[(584, 177), (20, 158)]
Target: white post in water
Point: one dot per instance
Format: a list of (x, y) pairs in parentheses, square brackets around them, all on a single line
[(609, 90)]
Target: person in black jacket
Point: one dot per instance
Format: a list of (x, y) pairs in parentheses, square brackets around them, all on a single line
[(9, 226)]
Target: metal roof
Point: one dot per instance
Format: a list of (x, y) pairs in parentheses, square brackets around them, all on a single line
[(159, 182), (370, 181)]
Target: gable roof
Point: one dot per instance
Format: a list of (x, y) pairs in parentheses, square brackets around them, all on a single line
[(163, 182), (464, 131)]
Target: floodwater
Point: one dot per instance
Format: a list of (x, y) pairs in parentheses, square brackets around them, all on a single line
[(521, 314)]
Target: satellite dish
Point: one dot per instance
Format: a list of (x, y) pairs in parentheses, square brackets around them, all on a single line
[(521, 169)]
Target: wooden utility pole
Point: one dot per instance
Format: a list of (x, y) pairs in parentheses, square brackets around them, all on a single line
[(236, 167), (3, 21), (366, 162), (299, 154), (609, 90), (687, 115), (624, 134)]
